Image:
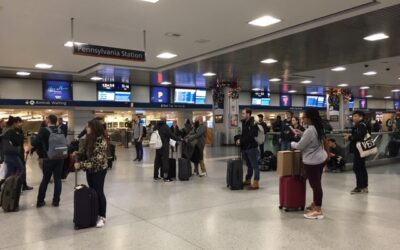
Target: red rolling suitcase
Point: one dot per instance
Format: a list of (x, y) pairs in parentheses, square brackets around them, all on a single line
[(292, 193)]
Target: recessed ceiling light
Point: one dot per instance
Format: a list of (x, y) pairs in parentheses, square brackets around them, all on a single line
[(43, 66), (396, 90), (23, 73), (269, 61), (376, 37), (306, 81), (166, 83), (364, 87), (96, 78), (275, 80), (369, 96), (339, 69), (257, 89), (314, 93), (388, 97), (343, 85), (292, 91), (370, 73), (209, 74), (265, 21), (166, 55), (70, 44), (150, 1)]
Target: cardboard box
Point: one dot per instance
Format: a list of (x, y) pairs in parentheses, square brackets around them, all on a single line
[(290, 163)]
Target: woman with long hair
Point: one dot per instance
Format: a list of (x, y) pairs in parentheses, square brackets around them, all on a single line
[(314, 156), (92, 158)]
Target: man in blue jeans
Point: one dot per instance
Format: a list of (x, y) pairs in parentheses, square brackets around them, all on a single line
[(249, 147), (50, 167)]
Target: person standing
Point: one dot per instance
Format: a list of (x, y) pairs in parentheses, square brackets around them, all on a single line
[(249, 147), (286, 131), (187, 128), (138, 138), (12, 146), (277, 128), (265, 128), (21, 152), (199, 137), (94, 151), (50, 167), (358, 132), (389, 124), (296, 126), (162, 154), (63, 126), (314, 158), (175, 130)]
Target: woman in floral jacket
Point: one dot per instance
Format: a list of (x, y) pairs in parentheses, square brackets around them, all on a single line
[(92, 158)]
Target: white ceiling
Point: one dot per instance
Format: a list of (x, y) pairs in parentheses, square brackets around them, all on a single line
[(35, 31), (353, 75)]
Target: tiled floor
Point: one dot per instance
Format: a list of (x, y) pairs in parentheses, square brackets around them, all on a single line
[(204, 214)]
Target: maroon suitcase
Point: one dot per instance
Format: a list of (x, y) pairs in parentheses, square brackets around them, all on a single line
[(292, 193)]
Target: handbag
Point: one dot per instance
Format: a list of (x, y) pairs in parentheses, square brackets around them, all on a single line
[(367, 146)]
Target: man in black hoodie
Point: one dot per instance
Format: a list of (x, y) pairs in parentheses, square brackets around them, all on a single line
[(358, 132), (249, 147), (162, 154)]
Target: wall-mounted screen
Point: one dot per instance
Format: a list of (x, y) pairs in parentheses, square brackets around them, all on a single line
[(106, 96), (286, 100), (261, 101), (201, 96), (363, 103), (57, 90), (190, 96), (114, 92), (159, 95), (396, 104), (315, 101)]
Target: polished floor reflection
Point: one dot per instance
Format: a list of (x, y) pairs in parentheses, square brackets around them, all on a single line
[(203, 214)]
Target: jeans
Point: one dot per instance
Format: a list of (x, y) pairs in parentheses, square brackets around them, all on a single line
[(202, 166), (96, 181), (285, 145), (314, 175), (360, 170), (261, 149), (251, 156), (51, 167), (161, 161), (14, 165), (139, 149)]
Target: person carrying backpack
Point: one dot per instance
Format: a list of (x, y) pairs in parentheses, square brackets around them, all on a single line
[(55, 151)]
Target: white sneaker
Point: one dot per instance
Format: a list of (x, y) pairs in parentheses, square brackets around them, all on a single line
[(203, 174), (101, 222)]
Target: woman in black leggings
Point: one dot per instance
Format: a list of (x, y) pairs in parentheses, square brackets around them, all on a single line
[(93, 159)]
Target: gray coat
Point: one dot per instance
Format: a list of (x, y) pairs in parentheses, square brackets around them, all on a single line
[(199, 135)]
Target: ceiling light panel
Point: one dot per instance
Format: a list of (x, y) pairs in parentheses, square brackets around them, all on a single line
[(265, 21)]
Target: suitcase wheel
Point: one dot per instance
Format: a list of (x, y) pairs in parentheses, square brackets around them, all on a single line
[(280, 207), (302, 209), (286, 210)]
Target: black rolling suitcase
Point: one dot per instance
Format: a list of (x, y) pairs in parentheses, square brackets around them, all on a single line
[(234, 174), (10, 194), (86, 206), (185, 169), (172, 168)]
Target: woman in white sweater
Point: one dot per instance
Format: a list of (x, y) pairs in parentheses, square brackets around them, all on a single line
[(314, 155)]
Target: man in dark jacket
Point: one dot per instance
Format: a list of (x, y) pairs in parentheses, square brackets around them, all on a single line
[(162, 154), (176, 131), (286, 131), (249, 146), (199, 137), (358, 132), (50, 167), (277, 127)]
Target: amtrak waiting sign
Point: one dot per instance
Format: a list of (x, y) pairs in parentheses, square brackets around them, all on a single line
[(109, 52)]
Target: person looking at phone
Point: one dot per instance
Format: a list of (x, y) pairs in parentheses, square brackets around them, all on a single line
[(297, 129)]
